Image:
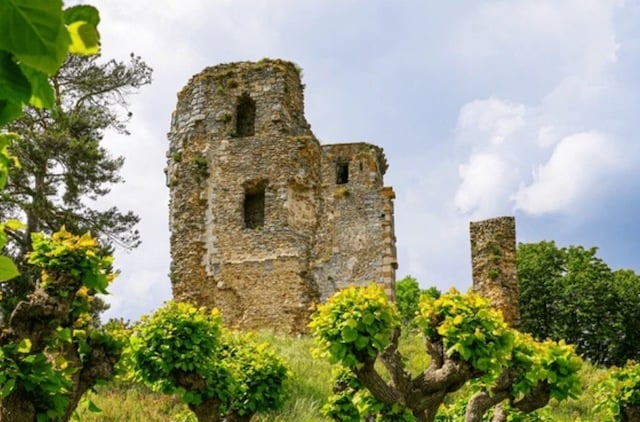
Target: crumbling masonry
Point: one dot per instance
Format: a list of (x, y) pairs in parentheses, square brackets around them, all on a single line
[(494, 268), (264, 220)]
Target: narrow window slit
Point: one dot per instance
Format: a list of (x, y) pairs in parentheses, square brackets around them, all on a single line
[(245, 116), (254, 208)]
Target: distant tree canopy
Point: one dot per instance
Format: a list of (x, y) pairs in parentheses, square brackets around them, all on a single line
[(569, 293), (408, 294)]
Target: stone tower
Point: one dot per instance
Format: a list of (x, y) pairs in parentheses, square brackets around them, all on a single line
[(264, 220), (494, 267)]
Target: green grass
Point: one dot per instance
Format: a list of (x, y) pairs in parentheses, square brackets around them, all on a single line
[(307, 390)]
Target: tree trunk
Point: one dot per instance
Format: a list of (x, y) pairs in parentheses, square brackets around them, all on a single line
[(376, 385), (480, 403), (14, 408), (233, 417), (99, 365), (207, 411), (630, 413), (499, 415)]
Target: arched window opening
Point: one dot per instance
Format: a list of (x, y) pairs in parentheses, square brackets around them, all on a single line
[(246, 116)]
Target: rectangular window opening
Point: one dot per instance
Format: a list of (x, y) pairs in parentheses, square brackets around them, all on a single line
[(342, 173), (254, 209)]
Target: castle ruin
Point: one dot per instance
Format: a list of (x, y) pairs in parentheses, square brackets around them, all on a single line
[(494, 267), (265, 221)]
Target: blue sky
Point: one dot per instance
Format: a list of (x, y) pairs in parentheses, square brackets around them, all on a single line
[(484, 108)]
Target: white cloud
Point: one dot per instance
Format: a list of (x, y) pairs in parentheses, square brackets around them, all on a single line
[(483, 183), (578, 164), (491, 118), (142, 291)]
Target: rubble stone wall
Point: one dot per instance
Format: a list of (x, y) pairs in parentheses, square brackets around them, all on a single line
[(318, 233), (494, 268)]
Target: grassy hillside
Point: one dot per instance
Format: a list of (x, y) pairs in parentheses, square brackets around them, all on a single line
[(307, 390)]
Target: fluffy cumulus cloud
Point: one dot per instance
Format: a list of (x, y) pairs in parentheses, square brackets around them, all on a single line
[(553, 152), (489, 132), (578, 166), (492, 119), (483, 183)]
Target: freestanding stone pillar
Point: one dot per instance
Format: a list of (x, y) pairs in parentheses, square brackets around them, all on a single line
[(493, 260)]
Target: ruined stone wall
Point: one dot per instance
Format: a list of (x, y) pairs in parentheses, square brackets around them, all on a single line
[(493, 258), (260, 228), (350, 246)]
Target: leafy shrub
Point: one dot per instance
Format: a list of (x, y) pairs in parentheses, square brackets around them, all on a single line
[(354, 325), (619, 394), (470, 330), (184, 350)]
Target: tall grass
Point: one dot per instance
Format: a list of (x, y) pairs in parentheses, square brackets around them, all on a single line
[(307, 390)]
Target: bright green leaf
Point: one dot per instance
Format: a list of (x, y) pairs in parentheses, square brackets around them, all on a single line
[(24, 346), (42, 95), (14, 224), (34, 32), (14, 86), (8, 269), (65, 335), (84, 13), (84, 38), (7, 388), (93, 408), (349, 334)]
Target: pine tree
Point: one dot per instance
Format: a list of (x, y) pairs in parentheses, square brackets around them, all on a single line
[(64, 166)]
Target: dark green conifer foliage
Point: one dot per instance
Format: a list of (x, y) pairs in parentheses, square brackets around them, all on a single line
[(64, 166)]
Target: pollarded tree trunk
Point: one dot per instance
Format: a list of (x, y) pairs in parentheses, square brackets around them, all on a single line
[(35, 319), (17, 408), (480, 403), (98, 365), (232, 417), (207, 411), (630, 413), (422, 394)]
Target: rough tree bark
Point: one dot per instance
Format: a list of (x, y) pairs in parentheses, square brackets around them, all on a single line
[(209, 409), (37, 319), (630, 413), (422, 394)]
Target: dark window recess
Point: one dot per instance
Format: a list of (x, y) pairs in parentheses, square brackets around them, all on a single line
[(246, 116), (254, 209), (342, 173)]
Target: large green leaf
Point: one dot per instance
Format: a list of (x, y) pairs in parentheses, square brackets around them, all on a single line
[(82, 22), (88, 14), (14, 86), (8, 269), (42, 95), (34, 32), (84, 38), (9, 110)]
